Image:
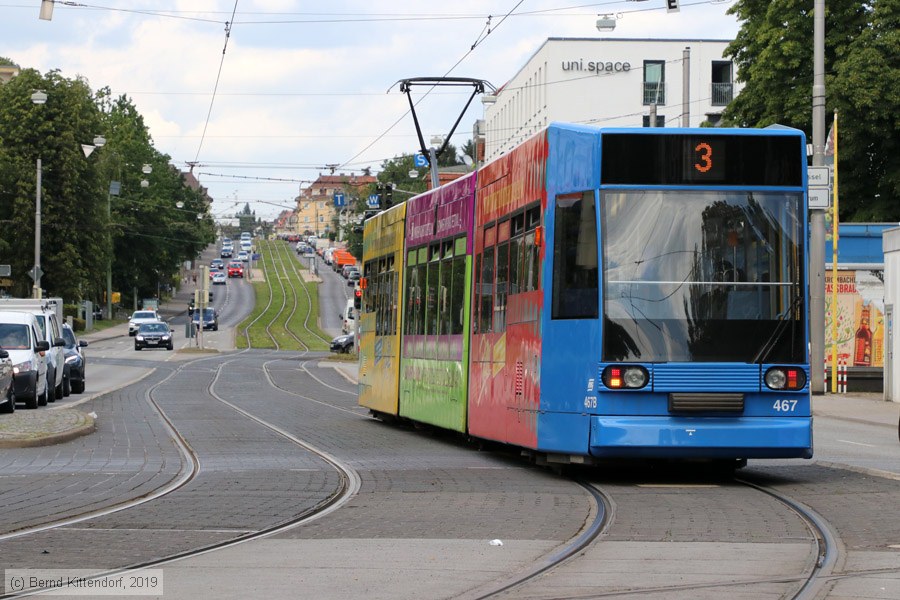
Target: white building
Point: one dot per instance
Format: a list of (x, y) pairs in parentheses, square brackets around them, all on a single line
[(610, 82)]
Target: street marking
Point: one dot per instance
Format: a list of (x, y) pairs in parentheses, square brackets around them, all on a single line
[(858, 444)]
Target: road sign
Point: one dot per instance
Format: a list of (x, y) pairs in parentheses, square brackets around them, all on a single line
[(5, 270), (819, 197), (818, 176), (671, 5), (419, 160), (35, 273), (339, 199), (374, 201)]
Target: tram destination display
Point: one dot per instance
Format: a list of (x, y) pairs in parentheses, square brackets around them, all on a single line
[(698, 159)]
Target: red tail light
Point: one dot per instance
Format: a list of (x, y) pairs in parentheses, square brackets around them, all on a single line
[(615, 378)]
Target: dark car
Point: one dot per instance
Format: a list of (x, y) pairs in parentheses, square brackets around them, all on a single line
[(217, 263), (76, 362), (210, 319), (342, 344), (153, 335)]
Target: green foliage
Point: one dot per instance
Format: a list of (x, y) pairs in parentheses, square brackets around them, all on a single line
[(84, 228), (774, 56)]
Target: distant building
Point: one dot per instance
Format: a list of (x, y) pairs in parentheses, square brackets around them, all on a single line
[(7, 72), (609, 82), (315, 205)]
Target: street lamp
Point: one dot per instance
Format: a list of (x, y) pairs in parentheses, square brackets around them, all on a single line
[(38, 98)]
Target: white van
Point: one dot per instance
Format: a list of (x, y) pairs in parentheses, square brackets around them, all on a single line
[(48, 313), (20, 336), (348, 317)]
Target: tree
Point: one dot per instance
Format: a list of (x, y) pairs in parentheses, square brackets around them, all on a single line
[(72, 249), (867, 91), (774, 56)]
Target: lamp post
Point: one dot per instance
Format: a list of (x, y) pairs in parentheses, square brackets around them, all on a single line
[(38, 98)]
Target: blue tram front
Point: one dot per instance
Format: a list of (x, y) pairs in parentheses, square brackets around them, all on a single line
[(703, 283)]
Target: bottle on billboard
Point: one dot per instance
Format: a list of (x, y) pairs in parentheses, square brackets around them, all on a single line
[(862, 350)]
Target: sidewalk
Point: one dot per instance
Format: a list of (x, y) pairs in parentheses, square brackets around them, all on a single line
[(50, 425)]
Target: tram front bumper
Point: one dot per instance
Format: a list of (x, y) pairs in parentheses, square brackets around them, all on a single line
[(701, 437)]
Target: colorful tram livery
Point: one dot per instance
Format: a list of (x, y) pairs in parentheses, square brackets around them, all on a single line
[(602, 293)]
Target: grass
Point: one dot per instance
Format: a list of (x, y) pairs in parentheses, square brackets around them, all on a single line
[(269, 312)]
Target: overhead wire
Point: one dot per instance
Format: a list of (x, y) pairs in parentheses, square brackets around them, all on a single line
[(218, 78), (450, 70)]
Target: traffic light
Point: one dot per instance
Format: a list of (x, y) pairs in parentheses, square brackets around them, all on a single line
[(388, 195), (357, 298)]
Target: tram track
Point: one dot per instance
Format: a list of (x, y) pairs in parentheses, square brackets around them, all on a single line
[(824, 543), (348, 483)]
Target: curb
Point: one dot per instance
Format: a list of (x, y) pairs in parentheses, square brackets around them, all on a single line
[(35, 439)]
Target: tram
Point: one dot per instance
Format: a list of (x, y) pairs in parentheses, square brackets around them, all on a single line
[(602, 292)]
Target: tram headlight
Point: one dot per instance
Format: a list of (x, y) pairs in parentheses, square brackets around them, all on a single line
[(785, 378), (630, 377)]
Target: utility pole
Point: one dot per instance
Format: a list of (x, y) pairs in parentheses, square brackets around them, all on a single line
[(817, 216), (36, 291)]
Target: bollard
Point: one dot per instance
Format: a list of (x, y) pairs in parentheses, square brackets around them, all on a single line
[(842, 376)]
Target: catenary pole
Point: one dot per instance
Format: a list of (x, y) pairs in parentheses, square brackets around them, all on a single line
[(817, 216)]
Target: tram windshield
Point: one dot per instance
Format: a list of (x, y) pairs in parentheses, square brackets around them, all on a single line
[(707, 276)]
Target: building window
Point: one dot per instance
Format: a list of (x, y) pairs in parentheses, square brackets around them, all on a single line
[(654, 82), (722, 87), (660, 120)]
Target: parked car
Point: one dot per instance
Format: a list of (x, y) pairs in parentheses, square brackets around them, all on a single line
[(153, 335), (48, 313), (236, 269), (343, 344), (7, 395), (210, 319), (348, 317), (219, 278), (139, 317), (217, 263), (20, 337), (75, 359), (353, 277)]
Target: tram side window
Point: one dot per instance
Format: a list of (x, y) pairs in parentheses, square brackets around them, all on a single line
[(433, 282), (412, 282), (531, 269), (457, 304), (367, 292), (476, 296), (393, 297), (575, 281), (380, 302), (502, 277), (421, 273), (445, 297), (486, 283), (517, 229)]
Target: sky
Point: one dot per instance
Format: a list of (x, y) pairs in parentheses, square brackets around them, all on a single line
[(289, 89)]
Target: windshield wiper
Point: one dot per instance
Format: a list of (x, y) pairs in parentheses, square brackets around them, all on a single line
[(783, 321)]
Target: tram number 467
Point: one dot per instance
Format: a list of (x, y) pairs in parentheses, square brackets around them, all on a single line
[(785, 405)]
